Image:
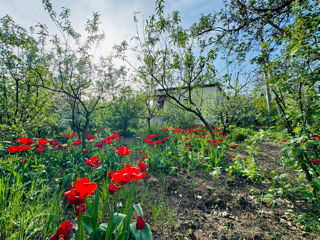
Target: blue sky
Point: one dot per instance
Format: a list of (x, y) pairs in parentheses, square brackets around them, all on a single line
[(116, 15)]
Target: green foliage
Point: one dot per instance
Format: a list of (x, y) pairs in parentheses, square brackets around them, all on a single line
[(123, 114), (25, 107), (178, 117), (240, 134)]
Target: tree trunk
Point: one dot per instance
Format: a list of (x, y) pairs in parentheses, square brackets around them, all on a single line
[(266, 71), (83, 139), (149, 124)]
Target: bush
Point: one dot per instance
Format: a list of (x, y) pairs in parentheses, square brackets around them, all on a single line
[(241, 134)]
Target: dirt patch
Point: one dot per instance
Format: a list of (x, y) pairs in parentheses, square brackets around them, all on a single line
[(194, 205), (220, 208)]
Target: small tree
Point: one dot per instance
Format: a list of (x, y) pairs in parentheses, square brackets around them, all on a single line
[(74, 73), (170, 56), (125, 112)]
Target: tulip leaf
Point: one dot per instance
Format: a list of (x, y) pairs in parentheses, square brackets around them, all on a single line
[(94, 213), (87, 224), (144, 234), (117, 220), (138, 208)]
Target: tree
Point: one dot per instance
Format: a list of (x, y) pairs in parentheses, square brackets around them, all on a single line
[(24, 107), (290, 27), (124, 113), (170, 56), (73, 72)]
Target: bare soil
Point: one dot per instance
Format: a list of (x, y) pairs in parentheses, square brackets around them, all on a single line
[(195, 205)]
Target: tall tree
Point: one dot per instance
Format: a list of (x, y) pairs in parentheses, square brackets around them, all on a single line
[(170, 56), (25, 108), (75, 74)]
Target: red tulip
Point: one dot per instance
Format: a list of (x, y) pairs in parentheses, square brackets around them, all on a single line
[(141, 223), (83, 189), (99, 145), (315, 161), (92, 162), (110, 174), (112, 189), (63, 231), (121, 179), (234, 146), (83, 209), (25, 140), (42, 141), (123, 151), (142, 166)]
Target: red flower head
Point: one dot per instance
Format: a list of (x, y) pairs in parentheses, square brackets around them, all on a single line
[(127, 174), (316, 137), (83, 209), (187, 143), (54, 143), (92, 162), (85, 151), (140, 152), (141, 223), (110, 174), (207, 148), (40, 149), (107, 140), (83, 189), (142, 166), (77, 142), (42, 141), (284, 141), (68, 136), (121, 179), (234, 146), (99, 145), (190, 149), (60, 145), (72, 150), (166, 139), (220, 140), (116, 131), (25, 140), (112, 189), (26, 147), (123, 151), (24, 160), (315, 161), (158, 142), (63, 231), (117, 139), (89, 137)]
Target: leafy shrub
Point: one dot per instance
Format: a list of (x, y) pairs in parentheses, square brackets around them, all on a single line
[(241, 134)]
